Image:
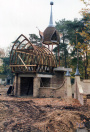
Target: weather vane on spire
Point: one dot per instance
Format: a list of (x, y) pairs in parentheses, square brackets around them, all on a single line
[(51, 17)]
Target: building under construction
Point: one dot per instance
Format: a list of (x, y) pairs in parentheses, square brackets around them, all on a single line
[(35, 66)]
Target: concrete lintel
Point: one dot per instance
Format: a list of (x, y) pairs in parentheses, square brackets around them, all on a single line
[(63, 69), (44, 75), (27, 75)]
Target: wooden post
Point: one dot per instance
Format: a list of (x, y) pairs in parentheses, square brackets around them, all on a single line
[(48, 46)]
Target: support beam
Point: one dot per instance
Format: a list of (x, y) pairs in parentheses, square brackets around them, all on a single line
[(22, 61), (21, 65)]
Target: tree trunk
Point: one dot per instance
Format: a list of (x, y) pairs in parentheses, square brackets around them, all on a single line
[(86, 64), (64, 51)]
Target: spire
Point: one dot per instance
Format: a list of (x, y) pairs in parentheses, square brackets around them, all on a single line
[(77, 71), (51, 17)]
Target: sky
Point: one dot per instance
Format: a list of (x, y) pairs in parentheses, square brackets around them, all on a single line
[(23, 16)]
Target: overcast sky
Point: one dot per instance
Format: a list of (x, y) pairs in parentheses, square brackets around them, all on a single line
[(23, 16)]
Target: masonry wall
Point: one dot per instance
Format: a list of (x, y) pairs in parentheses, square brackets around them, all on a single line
[(15, 84), (79, 91), (53, 92), (42, 86), (77, 87), (57, 79), (54, 87), (36, 86)]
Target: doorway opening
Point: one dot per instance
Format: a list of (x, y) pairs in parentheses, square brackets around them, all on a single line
[(26, 86)]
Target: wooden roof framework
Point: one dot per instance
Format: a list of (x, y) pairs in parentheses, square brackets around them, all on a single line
[(28, 57)]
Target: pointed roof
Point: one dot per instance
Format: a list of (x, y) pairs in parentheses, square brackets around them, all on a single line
[(50, 34), (67, 74), (77, 71)]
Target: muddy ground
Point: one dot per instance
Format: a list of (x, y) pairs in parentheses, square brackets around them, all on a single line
[(27, 114)]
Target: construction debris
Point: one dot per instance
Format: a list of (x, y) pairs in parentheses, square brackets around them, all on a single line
[(42, 114)]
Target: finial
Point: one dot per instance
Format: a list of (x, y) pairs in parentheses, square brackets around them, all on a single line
[(67, 74), (51, 3), (77, 71), (51, 16)]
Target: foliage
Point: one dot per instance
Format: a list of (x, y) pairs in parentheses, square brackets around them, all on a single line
[(85, 33), (75, 36), (68, 49), (35, 39), (6, 63), (5, 68), (1, 69)]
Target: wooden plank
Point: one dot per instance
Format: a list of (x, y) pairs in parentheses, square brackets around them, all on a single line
[(25, 52), (21, 65), (22, 61)]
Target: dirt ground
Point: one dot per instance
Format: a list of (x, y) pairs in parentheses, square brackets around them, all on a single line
[(27, 114)]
